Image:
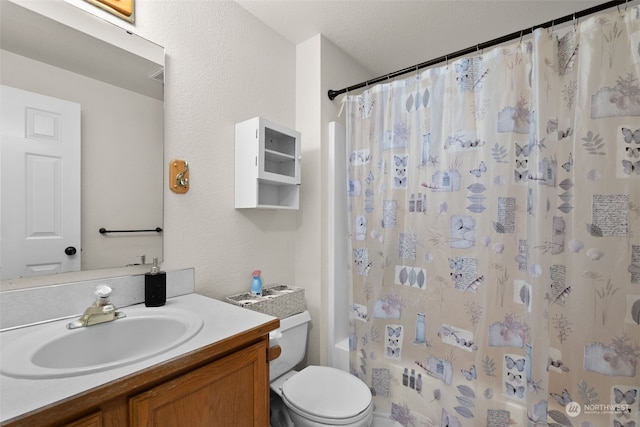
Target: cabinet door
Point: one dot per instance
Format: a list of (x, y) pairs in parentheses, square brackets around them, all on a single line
[(279, 153), (233, 391)]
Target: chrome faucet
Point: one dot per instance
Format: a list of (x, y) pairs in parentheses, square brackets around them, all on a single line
[(100, 312)]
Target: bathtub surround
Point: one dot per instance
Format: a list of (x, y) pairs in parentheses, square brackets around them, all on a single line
[(41, 304), (495, 233)]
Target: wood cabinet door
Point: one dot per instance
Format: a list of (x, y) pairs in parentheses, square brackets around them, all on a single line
[(233, 391)]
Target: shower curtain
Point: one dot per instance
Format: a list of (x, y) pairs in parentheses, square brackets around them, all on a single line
[(494, 231)]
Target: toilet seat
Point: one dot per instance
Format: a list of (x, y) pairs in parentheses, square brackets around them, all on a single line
[(324, 421), (327, 395)]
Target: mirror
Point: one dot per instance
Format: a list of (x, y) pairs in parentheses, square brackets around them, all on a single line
[(120, 90)]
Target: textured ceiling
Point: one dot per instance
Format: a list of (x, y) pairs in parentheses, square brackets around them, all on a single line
[(385, 36)]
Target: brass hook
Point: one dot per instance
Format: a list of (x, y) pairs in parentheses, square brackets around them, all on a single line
[(181, 179), (179, 176)]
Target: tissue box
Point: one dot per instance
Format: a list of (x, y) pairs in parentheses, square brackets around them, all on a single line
[(279, 301)]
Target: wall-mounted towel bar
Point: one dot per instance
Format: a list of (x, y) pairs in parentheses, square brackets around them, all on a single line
[(105, 231)]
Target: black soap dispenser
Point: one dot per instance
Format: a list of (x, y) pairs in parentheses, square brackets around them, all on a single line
[(155, 286)]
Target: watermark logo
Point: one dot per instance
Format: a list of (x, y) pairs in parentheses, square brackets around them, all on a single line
[(573, 409), (602, 409)]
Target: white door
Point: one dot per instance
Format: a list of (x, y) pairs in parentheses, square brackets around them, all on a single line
[(39, 184)]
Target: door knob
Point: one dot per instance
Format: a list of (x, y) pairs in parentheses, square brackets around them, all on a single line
[(70, 250)]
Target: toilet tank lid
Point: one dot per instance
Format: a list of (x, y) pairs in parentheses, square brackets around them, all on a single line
[(295, 320), (327, 392)]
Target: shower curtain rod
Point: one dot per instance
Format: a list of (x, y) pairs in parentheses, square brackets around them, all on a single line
[(333, 93)]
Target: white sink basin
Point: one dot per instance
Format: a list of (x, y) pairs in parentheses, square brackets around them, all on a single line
[(53, 351)]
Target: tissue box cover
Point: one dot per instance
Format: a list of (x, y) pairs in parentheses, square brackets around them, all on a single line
[(279, 301)]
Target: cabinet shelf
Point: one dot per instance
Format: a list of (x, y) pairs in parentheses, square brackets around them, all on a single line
[(267, 162), (274, 195), (280, 164), (278, 155)]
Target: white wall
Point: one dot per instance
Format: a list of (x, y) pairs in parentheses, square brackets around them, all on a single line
[(338, 70), (308, 272), (320, 66), (223, 66)]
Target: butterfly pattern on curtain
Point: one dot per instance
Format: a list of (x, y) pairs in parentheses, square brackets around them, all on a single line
[(494, 213)]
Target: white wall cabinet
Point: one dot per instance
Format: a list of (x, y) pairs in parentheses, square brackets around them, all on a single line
[(267, 165)]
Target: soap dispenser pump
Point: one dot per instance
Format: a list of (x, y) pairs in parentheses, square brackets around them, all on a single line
[(155, 286)]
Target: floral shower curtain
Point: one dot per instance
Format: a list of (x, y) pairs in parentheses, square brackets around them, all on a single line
[(494, 210)]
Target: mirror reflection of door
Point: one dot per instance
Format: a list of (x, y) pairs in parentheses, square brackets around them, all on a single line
[(39, 184)]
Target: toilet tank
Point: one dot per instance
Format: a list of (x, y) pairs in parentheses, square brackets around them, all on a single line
[(292, 339)]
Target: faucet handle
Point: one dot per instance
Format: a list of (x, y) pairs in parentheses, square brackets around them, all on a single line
[(102, 293)]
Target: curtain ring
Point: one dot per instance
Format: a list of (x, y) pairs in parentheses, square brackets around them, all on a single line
[(626, 4), (521, 35), (575, 22), (553, 23)]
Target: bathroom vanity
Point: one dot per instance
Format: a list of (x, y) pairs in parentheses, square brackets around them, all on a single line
[(220, 377)]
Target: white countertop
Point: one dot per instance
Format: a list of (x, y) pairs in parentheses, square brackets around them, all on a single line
[(221, 320)]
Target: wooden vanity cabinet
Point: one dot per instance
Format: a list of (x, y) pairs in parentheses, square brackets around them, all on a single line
[(229, 392), (225, 384)]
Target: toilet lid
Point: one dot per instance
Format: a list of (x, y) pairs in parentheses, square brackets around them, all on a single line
[(327, 392)]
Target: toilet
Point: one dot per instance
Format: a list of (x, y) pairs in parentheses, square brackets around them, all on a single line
[(317, 396)]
